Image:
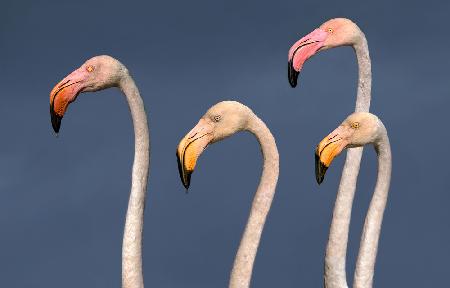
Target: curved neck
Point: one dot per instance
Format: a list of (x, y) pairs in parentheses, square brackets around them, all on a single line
[(335, 273), (365, 264), (132, 239), (364, 75), (243, 263)]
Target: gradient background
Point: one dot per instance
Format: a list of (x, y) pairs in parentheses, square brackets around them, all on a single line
[(63, 200)]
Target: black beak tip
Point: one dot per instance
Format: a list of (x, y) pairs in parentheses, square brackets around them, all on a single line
[(292, 74), (56, 120), (185, 176), (319, 179), (321, 169), (187, 181)]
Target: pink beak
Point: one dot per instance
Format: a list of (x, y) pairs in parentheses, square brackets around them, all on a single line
[(302, 50), (63, 94)]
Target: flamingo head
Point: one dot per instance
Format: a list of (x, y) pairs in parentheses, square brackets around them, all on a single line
[(95, 74), (333, 33), (359, 129), (220, 121)]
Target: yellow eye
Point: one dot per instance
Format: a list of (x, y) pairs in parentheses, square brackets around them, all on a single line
[(90, 68), (330, 30), (355, 125)]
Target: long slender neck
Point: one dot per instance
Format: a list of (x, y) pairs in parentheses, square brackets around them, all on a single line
[(364, 75), (365, 264), (243, 263), (132, 239), (335, 273)]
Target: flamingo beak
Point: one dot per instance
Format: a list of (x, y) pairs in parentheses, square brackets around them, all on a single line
[(191, 147), (330, 147), (64, 93), (302, 50)]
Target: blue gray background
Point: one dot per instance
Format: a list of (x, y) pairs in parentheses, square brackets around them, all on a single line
[(63, 200)]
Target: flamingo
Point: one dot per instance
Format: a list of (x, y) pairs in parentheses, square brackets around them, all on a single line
[(359, 129), (334, 33), (98, 73), (221, 121)]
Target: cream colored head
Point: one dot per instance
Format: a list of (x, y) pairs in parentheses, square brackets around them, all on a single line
[(97, 73), (220, 121), (341, 32), (357, 130), (333, 33)]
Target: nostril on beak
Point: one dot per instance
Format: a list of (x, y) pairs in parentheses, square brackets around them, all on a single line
[(64, 83)]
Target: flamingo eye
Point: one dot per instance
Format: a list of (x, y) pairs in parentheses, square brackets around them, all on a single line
[(330, 30), (355, 125), (90, 68), (217, 118)]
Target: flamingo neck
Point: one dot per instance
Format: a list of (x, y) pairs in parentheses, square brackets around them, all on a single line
[(365, 264), (364, 75), (132, 239), (335, 256), (243, 264)]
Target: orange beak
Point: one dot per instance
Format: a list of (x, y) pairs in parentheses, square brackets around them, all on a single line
[(64, 93), (190, 148), (330, 147)]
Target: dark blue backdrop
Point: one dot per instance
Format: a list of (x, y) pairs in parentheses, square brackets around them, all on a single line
[(63, 201)]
